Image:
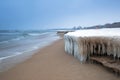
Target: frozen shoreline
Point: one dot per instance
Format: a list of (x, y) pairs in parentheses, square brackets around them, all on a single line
[(52, 63), (83, 43)]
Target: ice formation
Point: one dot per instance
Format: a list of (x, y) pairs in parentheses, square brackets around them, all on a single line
[(83, 43)]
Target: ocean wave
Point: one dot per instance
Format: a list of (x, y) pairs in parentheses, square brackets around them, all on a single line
[(16, 53), (37, 34), (21, 52), (14, 39), (34, 34), (4, 42)]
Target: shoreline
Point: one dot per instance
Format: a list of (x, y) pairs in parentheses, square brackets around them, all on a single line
[(52, 63), (9, 61)]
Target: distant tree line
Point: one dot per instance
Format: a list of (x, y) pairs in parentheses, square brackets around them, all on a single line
[(77, 27), (108, 25)]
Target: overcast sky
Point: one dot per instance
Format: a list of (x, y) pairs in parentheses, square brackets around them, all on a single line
[(46, 14)]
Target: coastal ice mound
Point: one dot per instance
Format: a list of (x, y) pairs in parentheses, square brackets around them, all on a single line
[(83, 43)]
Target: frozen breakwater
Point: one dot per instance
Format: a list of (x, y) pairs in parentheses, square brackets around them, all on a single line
[(84, 43)]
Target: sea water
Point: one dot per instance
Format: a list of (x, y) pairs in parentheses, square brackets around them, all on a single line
[(17, 46)]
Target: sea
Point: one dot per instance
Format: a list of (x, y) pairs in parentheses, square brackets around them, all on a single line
[(18, 42)]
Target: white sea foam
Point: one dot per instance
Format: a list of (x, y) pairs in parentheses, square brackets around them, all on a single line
[(38, 34)]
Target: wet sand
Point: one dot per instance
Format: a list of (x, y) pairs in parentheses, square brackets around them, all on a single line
[(52, 63)]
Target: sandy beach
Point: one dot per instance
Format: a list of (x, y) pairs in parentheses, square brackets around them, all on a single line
[(52, 63)]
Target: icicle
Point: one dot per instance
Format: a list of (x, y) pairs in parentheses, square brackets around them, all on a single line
[(99, 46), (109, 47), (91, 46)]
